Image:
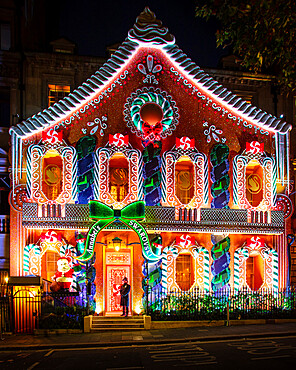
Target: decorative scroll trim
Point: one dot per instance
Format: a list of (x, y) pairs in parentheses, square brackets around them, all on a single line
[(200, 179), (68, 155), (101, 191)]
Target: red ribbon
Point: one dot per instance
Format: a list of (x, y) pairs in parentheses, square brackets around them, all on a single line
[(155, 131)]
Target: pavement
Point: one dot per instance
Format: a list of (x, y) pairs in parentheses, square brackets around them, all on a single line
[(13, 342)]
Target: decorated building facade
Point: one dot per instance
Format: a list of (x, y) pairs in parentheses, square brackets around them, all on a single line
[(153, 171)]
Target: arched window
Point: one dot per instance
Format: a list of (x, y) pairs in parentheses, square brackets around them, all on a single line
[(118, 177), (255, 271), (52, 175), (254, 183), (184, 271), (184, 180)]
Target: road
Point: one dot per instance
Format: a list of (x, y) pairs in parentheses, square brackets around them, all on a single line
[(267, 353)]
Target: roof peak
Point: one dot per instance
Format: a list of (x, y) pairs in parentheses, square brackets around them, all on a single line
[(149, 29)]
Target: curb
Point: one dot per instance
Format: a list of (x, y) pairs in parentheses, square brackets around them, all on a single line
[(146, 342)]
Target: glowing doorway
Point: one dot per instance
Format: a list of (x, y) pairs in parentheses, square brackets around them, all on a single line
[(118, 266)]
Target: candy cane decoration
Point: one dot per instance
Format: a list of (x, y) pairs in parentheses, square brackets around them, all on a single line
[(26, 257), (65, 249), (241, 252), (275, 272), (206, 266), (164, 266)]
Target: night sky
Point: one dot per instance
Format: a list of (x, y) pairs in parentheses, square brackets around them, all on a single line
[(94, 25)]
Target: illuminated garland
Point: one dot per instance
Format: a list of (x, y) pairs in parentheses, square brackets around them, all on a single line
[(220, 193)]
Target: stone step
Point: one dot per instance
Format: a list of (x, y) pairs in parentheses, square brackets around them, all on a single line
[(106, 318), (117, 321), (100, 323), (112, 325), (116, 328)]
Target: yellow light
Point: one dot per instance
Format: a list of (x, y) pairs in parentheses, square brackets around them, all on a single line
[(116, 243), (138, 309), (6, 279), (98, 308)]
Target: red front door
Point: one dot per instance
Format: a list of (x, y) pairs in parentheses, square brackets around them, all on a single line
[(117, 267)]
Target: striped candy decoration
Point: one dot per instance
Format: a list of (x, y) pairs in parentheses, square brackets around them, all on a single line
[(140, 178), (206, 266), (164, 265), (74, 176), (152, 172), (234, 179), (26, 257), (237, 254), (274, 183), (275, 272), (65, 247), (206, 179), (220, 193), (96, 176), (163, 180), (29, 170)]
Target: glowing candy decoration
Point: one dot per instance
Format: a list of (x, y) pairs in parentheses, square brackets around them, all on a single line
[(255, 147), (52, 136), (185, 240), (50, 236), (185, 143), (118, 140), (255, 242)]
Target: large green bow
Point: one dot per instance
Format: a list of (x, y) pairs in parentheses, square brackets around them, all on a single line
[(129, 215), (133, 211)]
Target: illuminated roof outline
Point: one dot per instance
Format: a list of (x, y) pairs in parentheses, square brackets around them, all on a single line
[(147, 31)]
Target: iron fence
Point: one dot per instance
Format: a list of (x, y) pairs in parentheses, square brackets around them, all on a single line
[(221, 305)]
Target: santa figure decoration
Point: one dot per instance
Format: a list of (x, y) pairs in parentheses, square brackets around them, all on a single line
[(63, 278)]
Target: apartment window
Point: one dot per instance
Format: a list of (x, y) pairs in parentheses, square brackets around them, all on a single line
[(5, 36), (4, 107), (56, 93)]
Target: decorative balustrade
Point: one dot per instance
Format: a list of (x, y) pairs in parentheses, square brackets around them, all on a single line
[(203, 218)]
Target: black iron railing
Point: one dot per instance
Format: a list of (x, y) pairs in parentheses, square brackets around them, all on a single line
[(222, 305)]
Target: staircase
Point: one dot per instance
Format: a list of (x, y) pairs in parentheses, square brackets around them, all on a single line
[(103, 323)]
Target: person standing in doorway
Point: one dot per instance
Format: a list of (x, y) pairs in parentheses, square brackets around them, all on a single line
[(124, 299)]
